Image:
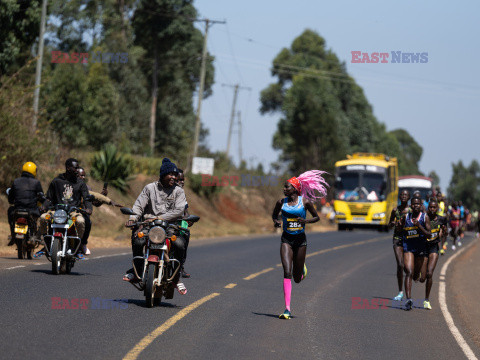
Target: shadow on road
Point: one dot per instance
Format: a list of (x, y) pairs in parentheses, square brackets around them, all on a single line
[(268, 315), (143, 304), (73, 273)]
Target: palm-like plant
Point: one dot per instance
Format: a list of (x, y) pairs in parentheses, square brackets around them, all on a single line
[(109, 165)]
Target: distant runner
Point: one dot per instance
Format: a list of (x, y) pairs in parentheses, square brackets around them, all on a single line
[(454, 215), (299, 191), (395, 218), (416, 227)]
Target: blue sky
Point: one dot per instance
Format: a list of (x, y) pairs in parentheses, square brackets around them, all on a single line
[(437, 102)]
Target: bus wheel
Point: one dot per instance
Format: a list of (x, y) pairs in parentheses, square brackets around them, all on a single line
[(342, 227)]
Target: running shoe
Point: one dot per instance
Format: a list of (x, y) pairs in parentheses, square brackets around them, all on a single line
[(454, 247), (399, 297), (39, 254), (408, 304), (459, 243), (445, 246), (304, 272), (442, 252), (286, 315), (426, 305)]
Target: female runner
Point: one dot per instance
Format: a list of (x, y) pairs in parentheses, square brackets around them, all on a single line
[(298, 191), (416, 227), (395, 218), (438, 226)]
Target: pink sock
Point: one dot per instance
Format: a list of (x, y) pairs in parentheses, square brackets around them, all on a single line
[(287, 292)]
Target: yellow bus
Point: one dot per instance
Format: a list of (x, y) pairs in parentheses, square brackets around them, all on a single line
[(366, 191)]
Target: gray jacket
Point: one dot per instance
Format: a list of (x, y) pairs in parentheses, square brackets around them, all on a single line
[(157, 201)]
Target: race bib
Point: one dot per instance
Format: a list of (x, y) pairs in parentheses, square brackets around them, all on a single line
[(412, 232), (293, 224)]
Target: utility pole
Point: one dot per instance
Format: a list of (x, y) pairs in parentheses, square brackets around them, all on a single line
[(232, 116), (239, 139), (202, 85), (38, 73)]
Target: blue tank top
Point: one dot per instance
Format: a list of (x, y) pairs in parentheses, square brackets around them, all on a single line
[(412, 232), (290, 215)]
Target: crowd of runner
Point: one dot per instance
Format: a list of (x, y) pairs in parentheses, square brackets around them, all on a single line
[(422, 229)]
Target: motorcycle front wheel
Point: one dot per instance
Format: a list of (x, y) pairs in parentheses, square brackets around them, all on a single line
[(149, 286), (56, 258)]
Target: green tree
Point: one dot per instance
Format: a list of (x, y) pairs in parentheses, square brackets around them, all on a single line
[(410, 153), (436, 179), (20, 26), (325, 114), (465, 184), (165, 29)]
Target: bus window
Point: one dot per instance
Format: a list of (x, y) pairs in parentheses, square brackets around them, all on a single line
[(347, 186), (375, 185)]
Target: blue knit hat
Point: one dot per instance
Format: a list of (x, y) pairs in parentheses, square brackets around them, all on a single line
[(167, 167)]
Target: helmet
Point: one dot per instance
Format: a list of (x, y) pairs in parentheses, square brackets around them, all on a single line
[(30, 168)]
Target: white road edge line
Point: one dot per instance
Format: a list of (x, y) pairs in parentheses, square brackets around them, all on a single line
[(16, 267), (93, 258), (442, 298)]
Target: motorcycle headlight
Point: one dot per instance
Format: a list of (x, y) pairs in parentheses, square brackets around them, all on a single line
[(60, 217), (156, 235)]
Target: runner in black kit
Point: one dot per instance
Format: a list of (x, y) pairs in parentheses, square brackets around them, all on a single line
[(298, 191), (416, 227), (395, 218), (438, 226)]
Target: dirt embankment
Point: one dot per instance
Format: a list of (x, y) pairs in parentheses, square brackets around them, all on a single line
[(234, 211)]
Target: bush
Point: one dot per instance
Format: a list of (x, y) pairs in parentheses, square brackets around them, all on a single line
[(195, 183), (112, 167), (19, 143)]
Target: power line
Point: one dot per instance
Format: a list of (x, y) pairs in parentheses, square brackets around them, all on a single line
[(234, 58)]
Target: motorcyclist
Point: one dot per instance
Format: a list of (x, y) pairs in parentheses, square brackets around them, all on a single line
[(24, 194), (68, 187), (165, 200)]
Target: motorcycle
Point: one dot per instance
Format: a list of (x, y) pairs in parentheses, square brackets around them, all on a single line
[(25, 230), (62, 241), (160, 265)]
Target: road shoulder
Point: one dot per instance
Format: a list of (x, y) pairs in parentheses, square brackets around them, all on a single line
[(465, 286)]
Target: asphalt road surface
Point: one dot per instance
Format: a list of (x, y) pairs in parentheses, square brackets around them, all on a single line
[(231, 310)]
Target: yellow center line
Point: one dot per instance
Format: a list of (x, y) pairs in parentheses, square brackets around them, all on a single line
[(147, 340), (252, 276), (230, 286)]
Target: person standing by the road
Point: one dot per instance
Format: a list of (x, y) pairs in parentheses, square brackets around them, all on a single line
[(395, 218), (299, 192), (416, 227), (438, 227), (181, 182)]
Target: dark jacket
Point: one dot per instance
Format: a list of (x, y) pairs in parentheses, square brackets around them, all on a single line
[(24, 190), (61, 187)]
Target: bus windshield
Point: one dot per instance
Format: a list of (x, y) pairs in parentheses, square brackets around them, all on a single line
[(356, 186)]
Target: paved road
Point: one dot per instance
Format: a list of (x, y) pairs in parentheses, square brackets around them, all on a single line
[(237, 322)]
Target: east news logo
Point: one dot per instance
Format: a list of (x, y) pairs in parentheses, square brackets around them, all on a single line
[(397, 57)]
